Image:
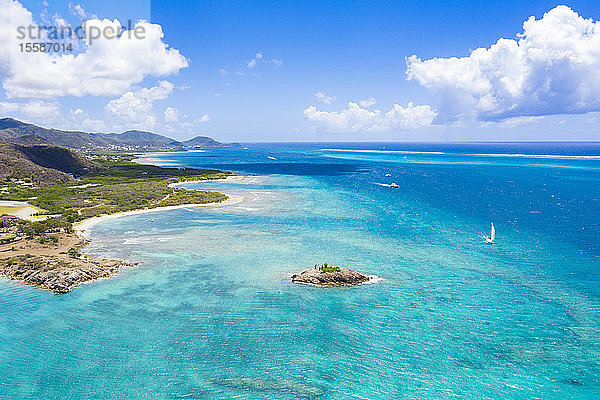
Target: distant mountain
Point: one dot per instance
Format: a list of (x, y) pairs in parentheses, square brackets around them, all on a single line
[(42, 163), (14, 131), (142, 139), (9, 123), (205, 141), (201, 141)]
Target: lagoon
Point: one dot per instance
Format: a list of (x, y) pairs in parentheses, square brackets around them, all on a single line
[(211, 313)]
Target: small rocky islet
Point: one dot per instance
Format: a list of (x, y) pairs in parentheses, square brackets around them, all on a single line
[(329, 276)]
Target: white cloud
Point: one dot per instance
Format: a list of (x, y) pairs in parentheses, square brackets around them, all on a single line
[(133, 110), (135, 107), (324, 98), (171, 114), (258, 58), (79, 11), (35, 110), (95, 125), (252, 63), (520, 121), (368, 102), (13, 15), (106, 67), (553, 68), (78, 8), (354, 118), (50, 113), (7, 107), (58, 20)]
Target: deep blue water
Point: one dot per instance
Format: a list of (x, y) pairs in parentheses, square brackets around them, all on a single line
[(210, 314)]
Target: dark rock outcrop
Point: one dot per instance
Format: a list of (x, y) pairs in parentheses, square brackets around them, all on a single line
[(338, 277), (58, 276)]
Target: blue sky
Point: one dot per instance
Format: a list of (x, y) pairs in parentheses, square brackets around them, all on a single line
[(253, 71)]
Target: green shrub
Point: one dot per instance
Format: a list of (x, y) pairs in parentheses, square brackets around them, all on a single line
[(73, 252), (326, 268), (39, 227)]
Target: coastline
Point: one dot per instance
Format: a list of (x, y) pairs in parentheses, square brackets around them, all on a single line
[(55, 264), (82, 228), (373, 279), (66, 271)]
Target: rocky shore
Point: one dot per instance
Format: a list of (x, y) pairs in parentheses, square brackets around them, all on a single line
[(57, 267), (56, 275), (330, 276)]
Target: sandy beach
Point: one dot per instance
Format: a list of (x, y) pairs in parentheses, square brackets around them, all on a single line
[(52, 266), (82, 228)]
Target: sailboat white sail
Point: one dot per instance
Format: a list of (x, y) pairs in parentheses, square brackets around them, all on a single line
[(490, 239)]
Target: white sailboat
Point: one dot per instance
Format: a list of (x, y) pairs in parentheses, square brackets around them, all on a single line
[(490, 239)]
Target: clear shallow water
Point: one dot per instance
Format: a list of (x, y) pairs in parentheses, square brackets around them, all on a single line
[(210, 313)]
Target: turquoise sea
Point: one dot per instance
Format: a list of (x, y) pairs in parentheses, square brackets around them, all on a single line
[(211, 314)]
